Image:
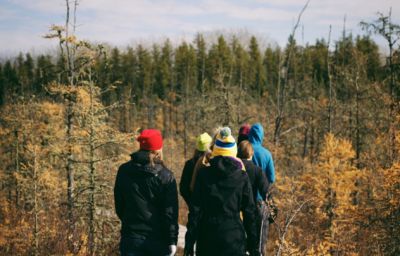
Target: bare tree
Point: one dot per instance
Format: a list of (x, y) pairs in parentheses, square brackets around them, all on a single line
[(328, 68), (282, 85), (290, 217), (384, 27)]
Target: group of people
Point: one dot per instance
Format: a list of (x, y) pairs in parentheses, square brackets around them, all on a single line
[(225, 185)]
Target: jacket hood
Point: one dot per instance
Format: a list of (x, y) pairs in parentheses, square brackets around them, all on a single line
[(256, 134), (226, 165)]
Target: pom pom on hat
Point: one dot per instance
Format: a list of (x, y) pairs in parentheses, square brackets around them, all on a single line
[(203, 142), (225, 144), (150, 139)]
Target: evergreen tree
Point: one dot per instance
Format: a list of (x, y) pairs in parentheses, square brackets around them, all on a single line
[(240, 65), (271, 68), (185, 68), (158, 85), (144, 72), (319, 65), (342, 59), (44, 73), (115, 74), (256, 72), (166, 66), (62, 74), (2, 86), (370, 49), (102, 77), (29, 67), (11, 81), (186, 77), (219, 62), (167, 80), (201, 58)]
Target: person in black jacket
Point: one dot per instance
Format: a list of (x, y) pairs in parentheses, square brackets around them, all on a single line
[(259, 184), (202, 145), (221, 192), (146, 201), (258, 180)]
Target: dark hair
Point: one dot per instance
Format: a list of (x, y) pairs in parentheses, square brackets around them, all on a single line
[(245, 150), (197, 154)]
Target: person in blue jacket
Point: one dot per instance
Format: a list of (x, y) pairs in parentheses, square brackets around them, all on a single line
[(262, 158)]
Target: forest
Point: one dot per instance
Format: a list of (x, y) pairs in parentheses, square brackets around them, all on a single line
[(330, 110)]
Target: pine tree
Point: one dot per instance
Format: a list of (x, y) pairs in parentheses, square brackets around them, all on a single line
[(219, 62), (370, 49), (201, 58), (2, 86), (271, 68), (44, 74), (256, 73), (11, 82), (185, 65)]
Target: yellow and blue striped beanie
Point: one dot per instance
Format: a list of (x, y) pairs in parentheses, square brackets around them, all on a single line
[(225, 144)]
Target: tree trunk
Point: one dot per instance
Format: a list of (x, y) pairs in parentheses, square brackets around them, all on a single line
[(70, 176), (35, 207), (17, 168), (392, 112), (305, 141), (186, 114), (92, 182), (328, 66), (358, 137)]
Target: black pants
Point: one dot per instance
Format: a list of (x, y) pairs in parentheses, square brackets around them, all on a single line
[(142, 247), (262, 227)]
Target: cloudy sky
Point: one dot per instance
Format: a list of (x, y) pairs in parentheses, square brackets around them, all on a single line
[(122, 22)]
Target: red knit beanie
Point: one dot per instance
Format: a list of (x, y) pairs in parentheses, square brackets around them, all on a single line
[(243, 133), (244, 129), (150, 139)]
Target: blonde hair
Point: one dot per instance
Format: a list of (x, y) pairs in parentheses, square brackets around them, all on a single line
[(156, 157)]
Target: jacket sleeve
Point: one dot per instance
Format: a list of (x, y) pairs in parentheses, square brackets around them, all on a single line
[(194, 215), (270, 170), (171, 210), (261, 182), (249, 215), (118, 196), (184, 185)]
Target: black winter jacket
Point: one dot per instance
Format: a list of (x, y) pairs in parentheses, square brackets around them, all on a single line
[(221, 192), (258, 180), (186, 179), (146, 200)]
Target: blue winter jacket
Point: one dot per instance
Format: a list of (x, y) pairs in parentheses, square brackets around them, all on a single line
[(262, 157)]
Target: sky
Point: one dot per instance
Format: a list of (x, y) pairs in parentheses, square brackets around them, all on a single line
[(23, 23)]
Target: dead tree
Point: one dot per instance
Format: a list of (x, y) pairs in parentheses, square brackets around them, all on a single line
[(384, 27), (282, 85)]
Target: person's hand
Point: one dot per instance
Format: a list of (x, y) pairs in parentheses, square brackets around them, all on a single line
[(172, 250)]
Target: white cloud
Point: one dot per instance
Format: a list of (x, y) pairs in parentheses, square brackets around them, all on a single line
[(48, 6), (122, 21)]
